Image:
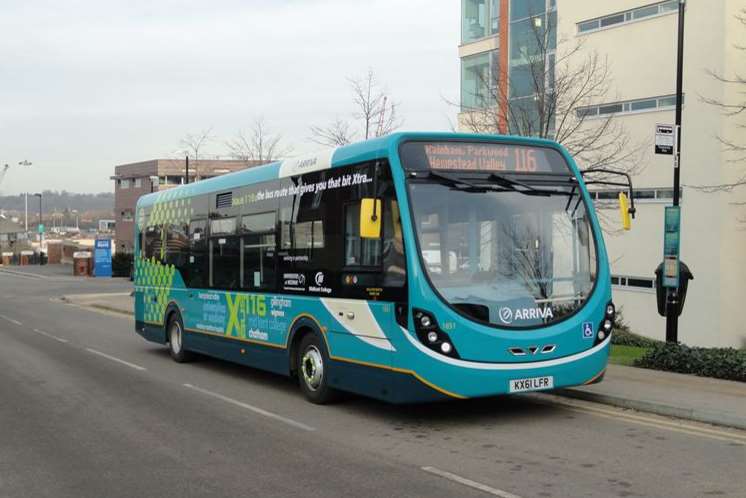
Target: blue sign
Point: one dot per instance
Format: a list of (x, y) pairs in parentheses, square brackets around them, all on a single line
[(102, 258), (587, 330)]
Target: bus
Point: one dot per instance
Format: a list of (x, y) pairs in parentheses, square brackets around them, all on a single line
[(409, 268)]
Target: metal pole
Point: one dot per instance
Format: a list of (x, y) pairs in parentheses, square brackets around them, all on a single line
[(26, 217), (672, 312), (187, 170), (41, 233)]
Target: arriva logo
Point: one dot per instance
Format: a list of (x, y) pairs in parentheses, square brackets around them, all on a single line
[(508, 315)]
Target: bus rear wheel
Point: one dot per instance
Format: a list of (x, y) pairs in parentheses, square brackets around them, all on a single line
[(176, 340), (313, 371)]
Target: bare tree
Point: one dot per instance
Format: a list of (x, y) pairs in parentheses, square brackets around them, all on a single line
[(552, 91), (258, 144), (733, 146), (194, 144), (375, 112)]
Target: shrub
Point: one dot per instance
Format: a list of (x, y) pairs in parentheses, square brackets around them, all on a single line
[(121, 264), (720, 363)]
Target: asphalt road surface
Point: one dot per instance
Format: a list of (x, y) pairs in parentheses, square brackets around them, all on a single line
[(89, 409)]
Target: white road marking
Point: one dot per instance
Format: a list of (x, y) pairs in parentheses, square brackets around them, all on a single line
[(470, 483), (112, 358), (7, 318), (47, 334), (252, 408), (669, 425)]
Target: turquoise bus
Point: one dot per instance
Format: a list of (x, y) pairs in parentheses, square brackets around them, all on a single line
[(409, 268)]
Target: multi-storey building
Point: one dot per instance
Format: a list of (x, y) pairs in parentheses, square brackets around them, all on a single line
[(636, 40), (137, 179)]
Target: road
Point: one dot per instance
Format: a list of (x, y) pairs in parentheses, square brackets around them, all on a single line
[(89, 409)]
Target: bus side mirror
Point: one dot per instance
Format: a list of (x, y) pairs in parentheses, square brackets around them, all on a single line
[(624, 211), (370, 218)]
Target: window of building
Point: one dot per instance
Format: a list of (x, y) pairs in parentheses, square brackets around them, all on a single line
[(479, 75), (642, 195), (629, 106), (479, 18), (128, 215), (644, 12), (124, 184), (138, 182), (533, 40), (633, 283)]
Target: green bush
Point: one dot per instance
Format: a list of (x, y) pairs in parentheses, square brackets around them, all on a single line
[(121, 264), (720, 363), (623, 336)]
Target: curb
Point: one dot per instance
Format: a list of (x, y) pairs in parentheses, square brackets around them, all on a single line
[(693, 414)]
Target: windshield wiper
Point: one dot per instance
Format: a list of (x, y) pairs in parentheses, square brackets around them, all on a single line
[(504, 185)]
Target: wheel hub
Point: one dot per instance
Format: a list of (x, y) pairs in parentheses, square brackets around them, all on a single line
[(312, 366)]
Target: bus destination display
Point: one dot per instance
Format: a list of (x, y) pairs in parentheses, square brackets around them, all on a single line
[(461, 156)]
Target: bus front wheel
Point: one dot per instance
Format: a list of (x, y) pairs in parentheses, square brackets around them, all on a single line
[(176, 340), (313, 370)]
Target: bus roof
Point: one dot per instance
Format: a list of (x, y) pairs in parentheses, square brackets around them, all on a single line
[(367, 150)]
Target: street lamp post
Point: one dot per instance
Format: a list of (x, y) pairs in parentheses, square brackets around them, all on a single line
[(26, 162), (40, 229)]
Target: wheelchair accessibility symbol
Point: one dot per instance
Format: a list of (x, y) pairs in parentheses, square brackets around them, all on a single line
[(587, 330)]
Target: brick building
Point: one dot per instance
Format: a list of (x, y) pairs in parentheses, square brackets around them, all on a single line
[(137, 179)]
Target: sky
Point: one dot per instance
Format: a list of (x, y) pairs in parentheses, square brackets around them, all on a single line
[(89, 84)]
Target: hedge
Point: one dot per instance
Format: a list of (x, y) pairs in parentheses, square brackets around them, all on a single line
[(720, 363), (121, 264)]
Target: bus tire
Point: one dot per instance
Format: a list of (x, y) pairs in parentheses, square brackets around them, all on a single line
[(313, 370), (176, 340)]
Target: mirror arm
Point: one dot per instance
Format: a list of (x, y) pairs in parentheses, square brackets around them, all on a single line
[(628, 184)]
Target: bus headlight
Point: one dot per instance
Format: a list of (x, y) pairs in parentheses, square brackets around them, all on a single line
[(608, 325), (430, 334)]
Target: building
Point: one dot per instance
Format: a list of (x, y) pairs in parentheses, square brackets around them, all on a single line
[(637, 38), (13, 236), (137, 179)]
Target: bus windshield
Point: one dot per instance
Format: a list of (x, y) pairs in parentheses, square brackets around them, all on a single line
[(510, 250)]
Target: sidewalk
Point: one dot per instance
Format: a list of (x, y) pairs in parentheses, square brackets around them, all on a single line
[(115, 302), (701, 399), (713, 401)]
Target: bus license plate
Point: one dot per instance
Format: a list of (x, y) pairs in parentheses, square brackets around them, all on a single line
[(532, 384)]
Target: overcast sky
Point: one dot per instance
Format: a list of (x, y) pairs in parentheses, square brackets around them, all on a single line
[(88, 84)]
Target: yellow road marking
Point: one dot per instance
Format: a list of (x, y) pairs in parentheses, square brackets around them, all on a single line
[(673, 426)]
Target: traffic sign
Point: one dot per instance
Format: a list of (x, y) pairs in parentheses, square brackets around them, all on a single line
[(664, 139), (40, 228)]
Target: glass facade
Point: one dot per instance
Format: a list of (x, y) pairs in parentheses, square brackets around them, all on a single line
[(478, 80), (479, 18), (533, 41)]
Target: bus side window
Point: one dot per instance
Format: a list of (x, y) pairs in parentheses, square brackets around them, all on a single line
[(259, 247), (359, 251), (225, 254), (177, 247), (152, 246), (198, 265)]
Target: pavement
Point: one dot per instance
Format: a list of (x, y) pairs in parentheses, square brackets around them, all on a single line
[(712, 401), (90, 409)]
